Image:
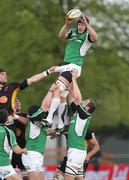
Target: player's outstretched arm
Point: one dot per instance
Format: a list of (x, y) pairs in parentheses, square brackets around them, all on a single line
[(75, 91), (40, 76)]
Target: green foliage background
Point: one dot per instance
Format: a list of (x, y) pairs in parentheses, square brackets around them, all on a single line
[(30, 44)]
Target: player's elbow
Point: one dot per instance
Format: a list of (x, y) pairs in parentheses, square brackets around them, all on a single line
[(97, 147), (62, 35)]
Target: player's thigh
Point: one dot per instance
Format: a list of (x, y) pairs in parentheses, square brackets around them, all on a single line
[(68, 177), (33, 161), (79, 178)]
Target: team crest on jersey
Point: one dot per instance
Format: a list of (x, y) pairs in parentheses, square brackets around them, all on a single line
[(3, 99)]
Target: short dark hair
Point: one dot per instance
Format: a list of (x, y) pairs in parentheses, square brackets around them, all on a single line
[(35, 113), (80, 19), (2, 70), (3, 116), (91, 105)]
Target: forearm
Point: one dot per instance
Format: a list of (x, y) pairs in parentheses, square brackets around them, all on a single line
[(76, 92), (37, 77), (95, 147), (23, 120), (93, 152), (63, 32), (47, 101), (18, 150), (92, 33), (48, 98)]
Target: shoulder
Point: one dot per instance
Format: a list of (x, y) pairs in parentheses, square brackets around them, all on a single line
[(89, 134), (72, 31), (14, 84)]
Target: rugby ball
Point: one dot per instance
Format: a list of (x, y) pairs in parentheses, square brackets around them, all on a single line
[(74, 14)]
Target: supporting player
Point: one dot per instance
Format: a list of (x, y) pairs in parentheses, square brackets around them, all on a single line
[(77, 130), (90, 141), (36, 138)]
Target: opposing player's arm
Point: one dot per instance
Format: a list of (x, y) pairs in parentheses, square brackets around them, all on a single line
[(18, 150), (22, 119), (40, 76)]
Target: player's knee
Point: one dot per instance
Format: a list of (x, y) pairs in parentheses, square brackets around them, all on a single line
[(58, 176)]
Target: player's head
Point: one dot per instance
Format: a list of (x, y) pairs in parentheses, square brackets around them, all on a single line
[(3, 77), (35, 113), (81, 25), (90, 105), (3, 116)]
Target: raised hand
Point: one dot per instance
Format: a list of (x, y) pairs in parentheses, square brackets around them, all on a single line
[(52, 69)]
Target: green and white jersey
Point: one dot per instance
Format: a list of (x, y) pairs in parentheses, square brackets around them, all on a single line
[(7, 141), (36, 138), (78, 128), (77, 46)]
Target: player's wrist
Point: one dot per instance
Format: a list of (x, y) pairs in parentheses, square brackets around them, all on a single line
[(46, 73), (50, 91), (16, 116)]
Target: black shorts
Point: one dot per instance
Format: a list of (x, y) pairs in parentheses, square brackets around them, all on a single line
[(62, 165), (67, 75)]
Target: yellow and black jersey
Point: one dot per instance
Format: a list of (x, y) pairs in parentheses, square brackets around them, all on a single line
[(8, 94)]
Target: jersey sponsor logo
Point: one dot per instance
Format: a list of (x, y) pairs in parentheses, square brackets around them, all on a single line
[(3, 99)]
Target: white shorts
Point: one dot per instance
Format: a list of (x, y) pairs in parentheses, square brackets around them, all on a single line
[(69, 67), (33, 161), (76, 157), (6, 171)]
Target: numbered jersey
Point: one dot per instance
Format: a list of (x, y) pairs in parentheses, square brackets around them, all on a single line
[(77, 46)]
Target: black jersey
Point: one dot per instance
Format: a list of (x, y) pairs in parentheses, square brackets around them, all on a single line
[(8, 94)]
